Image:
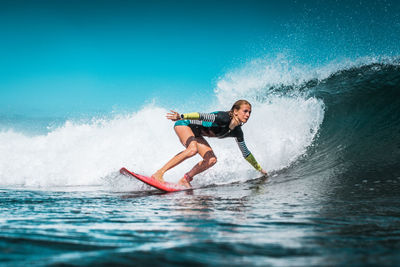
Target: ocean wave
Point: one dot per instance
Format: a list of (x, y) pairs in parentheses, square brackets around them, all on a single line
[(309, 120)]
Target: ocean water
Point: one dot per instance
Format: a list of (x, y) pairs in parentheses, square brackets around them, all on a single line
[(78, 103)]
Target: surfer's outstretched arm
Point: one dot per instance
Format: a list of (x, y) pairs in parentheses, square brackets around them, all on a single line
[(214, 117), (249, 157)]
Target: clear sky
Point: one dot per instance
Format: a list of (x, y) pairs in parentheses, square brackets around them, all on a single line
[(71, 56)]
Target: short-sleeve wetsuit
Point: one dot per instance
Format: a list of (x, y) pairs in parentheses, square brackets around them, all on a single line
[(216, 124)]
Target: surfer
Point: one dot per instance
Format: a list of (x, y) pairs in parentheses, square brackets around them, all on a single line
[(191, 129)]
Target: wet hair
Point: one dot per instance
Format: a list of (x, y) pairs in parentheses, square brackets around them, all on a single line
[(237, 105)]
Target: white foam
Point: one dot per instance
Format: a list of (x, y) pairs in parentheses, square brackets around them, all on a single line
[(84, 153), (91, 153)]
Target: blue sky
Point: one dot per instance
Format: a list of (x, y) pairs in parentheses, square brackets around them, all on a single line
[(63, 57)]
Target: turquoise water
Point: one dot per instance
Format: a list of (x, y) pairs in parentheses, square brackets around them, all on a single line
[(84, 88)]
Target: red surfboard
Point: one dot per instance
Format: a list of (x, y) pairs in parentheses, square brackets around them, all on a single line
[(163, 186)]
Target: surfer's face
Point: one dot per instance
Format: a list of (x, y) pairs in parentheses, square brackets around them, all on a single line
[(243, 114)]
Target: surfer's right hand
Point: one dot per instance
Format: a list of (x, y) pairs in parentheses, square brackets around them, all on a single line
[(174, 116)]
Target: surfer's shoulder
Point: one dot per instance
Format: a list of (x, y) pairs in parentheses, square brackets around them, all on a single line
[(222, 117)]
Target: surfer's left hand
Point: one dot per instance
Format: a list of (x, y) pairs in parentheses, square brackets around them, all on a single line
[(264, 173)]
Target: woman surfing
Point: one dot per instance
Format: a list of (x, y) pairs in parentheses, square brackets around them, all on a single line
[(191, 129)]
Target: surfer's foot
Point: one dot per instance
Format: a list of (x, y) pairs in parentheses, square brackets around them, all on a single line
[(185, 181), (158, 176)]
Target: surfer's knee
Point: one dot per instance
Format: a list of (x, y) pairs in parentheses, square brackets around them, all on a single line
[(191, 150), (212, 161), (210, 158)]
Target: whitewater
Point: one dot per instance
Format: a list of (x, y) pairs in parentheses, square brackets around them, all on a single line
[(90, 151)]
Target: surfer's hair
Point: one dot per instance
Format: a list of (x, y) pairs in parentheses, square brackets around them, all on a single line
[(237, 105)]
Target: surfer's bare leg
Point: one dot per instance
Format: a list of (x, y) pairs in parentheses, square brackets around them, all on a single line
[(186, 136), (209, 159)]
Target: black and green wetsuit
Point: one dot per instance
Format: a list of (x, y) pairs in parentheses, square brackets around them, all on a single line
[(216, 124)]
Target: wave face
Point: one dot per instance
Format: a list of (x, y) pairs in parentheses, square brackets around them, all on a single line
[(340, 118), (359, 137)]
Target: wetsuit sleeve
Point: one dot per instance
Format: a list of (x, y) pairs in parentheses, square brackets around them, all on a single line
[(245, 151), (191, 116), (217, 117), (250, 159), (247, 155)]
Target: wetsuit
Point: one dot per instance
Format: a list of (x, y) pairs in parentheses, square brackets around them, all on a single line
[(216, 124)]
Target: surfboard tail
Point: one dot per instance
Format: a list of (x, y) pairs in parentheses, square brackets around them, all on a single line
[(163, 186)]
